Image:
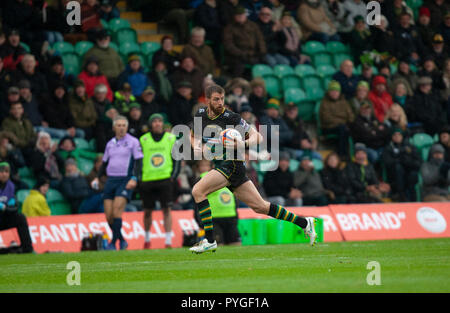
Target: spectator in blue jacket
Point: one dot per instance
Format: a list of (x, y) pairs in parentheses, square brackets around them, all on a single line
[(135, 75), (347, 79), (108, 11)]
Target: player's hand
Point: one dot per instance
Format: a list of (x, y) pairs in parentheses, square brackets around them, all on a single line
[(94, 183), (234, 144), (131, 184)]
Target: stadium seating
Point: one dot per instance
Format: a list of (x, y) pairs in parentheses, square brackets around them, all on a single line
[(117, 24), (311, 82), (259, 70), (85, 165), (29, 181), (312, 47), (114, 46), (63, 47), (82, 143), (273, 85), (150, 47), (295, 95), (282, 70), (82, 47), (322, 58), (325, 72), (290, 81), (338, 58), (423, 143), (304, 70), (25, 46), (125, 35), (71, 63), (336, 47)]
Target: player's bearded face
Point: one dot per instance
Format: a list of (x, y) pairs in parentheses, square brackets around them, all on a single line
[(216, 103)]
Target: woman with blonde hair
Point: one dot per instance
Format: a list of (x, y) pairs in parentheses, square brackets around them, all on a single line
[(396, 118)]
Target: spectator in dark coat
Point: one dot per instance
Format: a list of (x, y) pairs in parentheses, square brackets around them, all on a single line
[(55, 110), (149, 103), (258, 96), (436, 176), (137, 125), (430, 69), (31, 104), (424, 27), (74, 185), (334, 180), (368, 130), (438, 10), (273, 118), (45, 162), (207, 15), (408, 43), (105, 115), (226, 10), (425, 107), (404, 72), (308, 180), (269, 31), (279, 184), (243, 43), (56, 74), (347, 79), (360, 39), (162, 84), (20, 126), (12, 52), (180, 108), (188, 71), (382, 36), (168, 54), (439, 52), (402, 163), (28, 70), (108, 10), (363, 180)]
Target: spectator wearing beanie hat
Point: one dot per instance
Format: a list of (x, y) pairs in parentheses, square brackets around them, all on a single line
[(135, 75), (424, 27), (380, 97), (440, 49), (361, 96), (335, 115), (274, 118), (436, 175), (444, 140)]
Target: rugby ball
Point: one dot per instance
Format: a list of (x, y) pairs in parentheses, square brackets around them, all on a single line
[(230, 135)]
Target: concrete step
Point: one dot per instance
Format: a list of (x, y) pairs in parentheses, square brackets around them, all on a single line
[(132, 17), (145, 28)]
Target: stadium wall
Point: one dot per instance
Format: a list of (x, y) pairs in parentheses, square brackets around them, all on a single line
[(341, 223)]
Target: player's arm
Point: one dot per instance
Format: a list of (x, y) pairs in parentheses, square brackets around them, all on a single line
[(196, 144)]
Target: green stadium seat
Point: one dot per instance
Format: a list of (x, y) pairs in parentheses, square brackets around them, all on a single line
[(314, 94), (104, 23), (295, 95), (423, 143), (336, 47), (293, 165), (259, 70), (82, 47), (312, 47), (85, 165), (306, 110), (60, 208), (304, 70), (25, 172), (54, 195), (129, 47), (82, 143), (273, 85), (21, 195), (114, 46), (117, 24), (125, 35), (318, 164), (29, 181), (311, 82), (150, 47), (71, 63), (322, 58), (338, 58), (282, 70), (93, 144), (25, 46), (63, 47), (325, 70), (290, 81)]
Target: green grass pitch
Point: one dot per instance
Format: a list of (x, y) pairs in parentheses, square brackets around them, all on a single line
[(405, 266)]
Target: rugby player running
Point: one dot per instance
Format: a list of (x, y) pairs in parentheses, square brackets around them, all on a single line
[(231, 173)]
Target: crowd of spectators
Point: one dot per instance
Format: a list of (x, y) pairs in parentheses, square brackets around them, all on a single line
[(370, 118)]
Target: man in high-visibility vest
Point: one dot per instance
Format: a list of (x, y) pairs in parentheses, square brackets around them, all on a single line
[(223, 209), (159, 171)]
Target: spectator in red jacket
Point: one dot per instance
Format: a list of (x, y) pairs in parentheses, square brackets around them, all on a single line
[(91, 77), (380, 98), (12, 52)]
